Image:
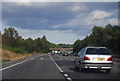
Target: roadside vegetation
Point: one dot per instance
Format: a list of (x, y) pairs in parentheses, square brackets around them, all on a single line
[(11, 56), (13, 42), (108, 36), (14, 47)]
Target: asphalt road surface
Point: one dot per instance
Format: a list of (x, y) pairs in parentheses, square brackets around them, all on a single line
[(53, 67)]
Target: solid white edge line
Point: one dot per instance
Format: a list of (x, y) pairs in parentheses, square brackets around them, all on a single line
[(12, 65), (29, 58), (56, 64)]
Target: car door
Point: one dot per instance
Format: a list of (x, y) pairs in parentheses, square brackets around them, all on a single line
[(77, 60), (79, 57)]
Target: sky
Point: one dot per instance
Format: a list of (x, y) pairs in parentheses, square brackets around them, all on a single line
[(60, 22)]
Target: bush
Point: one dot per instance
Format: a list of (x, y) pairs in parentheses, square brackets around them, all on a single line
[(6, 47), (16, 50), (19, 51), (4, 61), (43, 51)]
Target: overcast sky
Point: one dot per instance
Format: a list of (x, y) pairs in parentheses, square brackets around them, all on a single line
[(60, 22)]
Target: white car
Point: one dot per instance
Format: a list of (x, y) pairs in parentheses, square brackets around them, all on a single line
[(94, 58)]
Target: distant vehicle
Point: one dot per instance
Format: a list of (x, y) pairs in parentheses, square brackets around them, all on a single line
[(94, 57), (55, 52), (65, 54), (51, 53)]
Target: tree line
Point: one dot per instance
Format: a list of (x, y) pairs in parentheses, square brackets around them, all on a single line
[(108, 36), (13, 42)]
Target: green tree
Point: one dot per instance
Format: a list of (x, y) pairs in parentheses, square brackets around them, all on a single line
[(9, 36), (108, 36), (29, 45)]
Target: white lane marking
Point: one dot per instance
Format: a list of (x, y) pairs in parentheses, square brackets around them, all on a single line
[(65, 75), (56, 64), (61, 59), (69, 79), (41, 58), (12, 65), (68, 58), (29, 58)]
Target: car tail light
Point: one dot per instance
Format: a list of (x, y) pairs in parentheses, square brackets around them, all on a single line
[(109, 59), (86, 58)]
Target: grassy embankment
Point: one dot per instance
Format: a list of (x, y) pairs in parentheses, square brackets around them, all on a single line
[(6, 56), (12, 54)]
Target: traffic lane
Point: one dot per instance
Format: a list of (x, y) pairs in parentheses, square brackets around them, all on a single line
[(38, 68), (17, 61), (14, 72), (67, 65), (70, 60)]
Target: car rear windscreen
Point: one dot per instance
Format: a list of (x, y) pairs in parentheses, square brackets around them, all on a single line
[(101, 51)]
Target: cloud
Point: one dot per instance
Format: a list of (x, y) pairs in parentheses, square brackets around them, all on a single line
[(28, 3), (100, 14), (60, 22), (88, 20), (61, 1), (22, 3), (113, 21), (55, 36), (101, 18), (76, 8), (36, 17), (63, 16), (64, 31), (56, 26)]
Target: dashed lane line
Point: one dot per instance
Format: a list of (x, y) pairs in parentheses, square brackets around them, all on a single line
[(56, 64), (66, 75), (68, 58), (69, 79)]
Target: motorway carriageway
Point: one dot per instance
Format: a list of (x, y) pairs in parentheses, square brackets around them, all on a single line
[(53, 68)]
